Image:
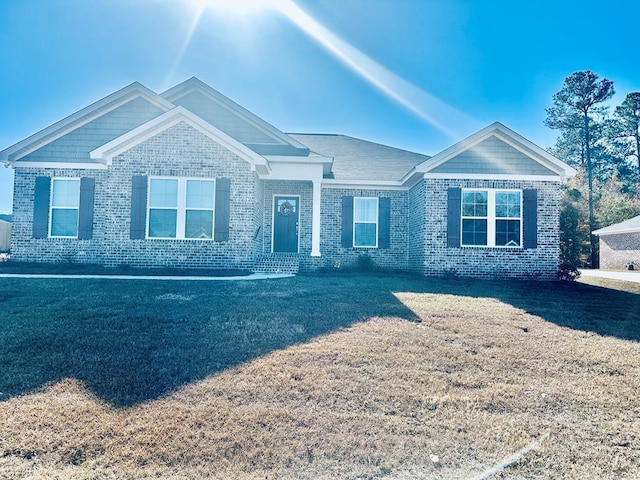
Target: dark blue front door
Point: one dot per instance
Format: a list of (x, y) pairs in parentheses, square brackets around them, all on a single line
[(285, 224)]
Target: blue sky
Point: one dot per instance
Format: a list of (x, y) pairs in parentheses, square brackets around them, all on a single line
[(415, 74)]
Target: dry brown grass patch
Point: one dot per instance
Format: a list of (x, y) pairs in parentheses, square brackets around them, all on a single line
[(473, 381)]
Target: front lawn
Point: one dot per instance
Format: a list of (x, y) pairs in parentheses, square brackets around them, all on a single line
[(346, 377)]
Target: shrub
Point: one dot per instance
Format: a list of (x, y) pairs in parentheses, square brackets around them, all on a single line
[(365, 263), (568, 273)]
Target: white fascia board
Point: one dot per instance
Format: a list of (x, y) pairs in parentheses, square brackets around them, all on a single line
[(326, 162), (508, 136), (294, 171), (195, 84), (106, 152), (298, 159), (368, 184), (66, 165), (82, 117), (483, 176), (602, 231)]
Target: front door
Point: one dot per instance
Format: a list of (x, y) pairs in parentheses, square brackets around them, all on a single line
[(285, 224)]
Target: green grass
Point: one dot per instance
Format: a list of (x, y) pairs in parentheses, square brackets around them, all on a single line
[(350, 376)]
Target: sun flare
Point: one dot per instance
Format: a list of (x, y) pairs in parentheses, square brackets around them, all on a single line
[(426, 106)]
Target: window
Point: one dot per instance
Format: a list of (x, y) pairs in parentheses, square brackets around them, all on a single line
[(365, 222), (508, 218), (163, 208), (181, 208), (474, 217), (199, 218), (492, 218), (65, 204)]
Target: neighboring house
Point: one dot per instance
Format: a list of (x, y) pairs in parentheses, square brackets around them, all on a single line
[(620, 244), (188, 178), (5, 236)]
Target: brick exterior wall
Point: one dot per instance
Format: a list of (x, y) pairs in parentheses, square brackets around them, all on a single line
[(258, 214), (24, 248), (333, 254), (616, 251), (418, 219), (417, 227), (539, 263), (180, 151)]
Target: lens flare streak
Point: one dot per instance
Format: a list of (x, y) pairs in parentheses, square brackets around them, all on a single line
[(437, 113), (406, 94)]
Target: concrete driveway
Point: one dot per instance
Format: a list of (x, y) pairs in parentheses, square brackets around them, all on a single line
[(629, 275)]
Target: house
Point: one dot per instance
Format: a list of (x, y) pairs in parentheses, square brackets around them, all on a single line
[(620, 244), (5, 236), (189, 178)]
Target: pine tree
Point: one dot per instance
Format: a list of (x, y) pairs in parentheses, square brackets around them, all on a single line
[(626, 131), (575, 107)]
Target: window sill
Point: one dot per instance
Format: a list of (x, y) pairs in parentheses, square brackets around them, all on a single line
[(164, 239), (496, 247)]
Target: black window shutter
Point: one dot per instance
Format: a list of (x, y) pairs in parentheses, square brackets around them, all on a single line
[(384, 222), (347, 222), (223, 207), (530, 218), (138, 228), (85, 215), (454, 201), (41, 207)]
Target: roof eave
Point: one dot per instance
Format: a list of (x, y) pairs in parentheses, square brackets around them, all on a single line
[(79, 118), (604, 231), (499, 130), (145, 131), (363, 182)]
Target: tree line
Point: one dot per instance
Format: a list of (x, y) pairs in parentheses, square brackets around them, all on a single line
[(603, 144)]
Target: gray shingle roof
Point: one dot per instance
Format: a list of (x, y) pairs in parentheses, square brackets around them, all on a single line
[(631, 225), (356, 159)]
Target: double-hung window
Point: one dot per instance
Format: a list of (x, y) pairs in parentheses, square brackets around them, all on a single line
[(181, 208), (492, 218), (65, 205), (475, 217), (199, 213), (365, 222), (508, 218)]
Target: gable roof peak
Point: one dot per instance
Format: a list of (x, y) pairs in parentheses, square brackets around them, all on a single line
[(81, 117), (109, 150), (504, 133), (188, 84), (194, 84)]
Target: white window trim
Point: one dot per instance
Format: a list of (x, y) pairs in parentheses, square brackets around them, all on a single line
[(491, 218), (355, 199), (181, 207), (51, 207)]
